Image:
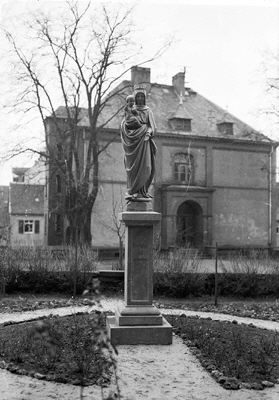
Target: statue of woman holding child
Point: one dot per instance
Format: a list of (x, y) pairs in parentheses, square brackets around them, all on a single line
[(137, 131)]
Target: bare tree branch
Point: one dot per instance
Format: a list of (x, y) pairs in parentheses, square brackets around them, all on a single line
[(67, 66)]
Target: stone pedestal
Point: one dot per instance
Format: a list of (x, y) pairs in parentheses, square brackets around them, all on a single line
[(137, 320)]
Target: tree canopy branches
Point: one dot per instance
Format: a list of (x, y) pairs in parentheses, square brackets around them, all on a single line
[(66, 64)]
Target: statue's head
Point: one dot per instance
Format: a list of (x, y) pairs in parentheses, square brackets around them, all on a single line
[(140, 95)]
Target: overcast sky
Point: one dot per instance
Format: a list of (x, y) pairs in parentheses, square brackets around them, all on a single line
[(220, 43)]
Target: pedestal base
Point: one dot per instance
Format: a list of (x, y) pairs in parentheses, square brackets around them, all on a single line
[(137, 315), (140, 334)]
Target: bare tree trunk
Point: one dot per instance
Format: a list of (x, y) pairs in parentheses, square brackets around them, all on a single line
[(120, 253)]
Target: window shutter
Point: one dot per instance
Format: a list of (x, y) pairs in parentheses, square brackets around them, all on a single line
[(20, 226), (37, 226)]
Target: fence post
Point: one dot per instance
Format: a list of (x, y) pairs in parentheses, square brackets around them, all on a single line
[(75, 267), (216, 273)]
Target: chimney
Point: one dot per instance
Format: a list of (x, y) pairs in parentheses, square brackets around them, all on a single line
[(140, 75), (178, 82)]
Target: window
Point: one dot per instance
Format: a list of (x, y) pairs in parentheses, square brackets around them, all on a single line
[(45, 230), (58, 183), (18, 178), (28, 226), (183, 168), (183, 125), (59, 151), (226, 128), (58, 223)]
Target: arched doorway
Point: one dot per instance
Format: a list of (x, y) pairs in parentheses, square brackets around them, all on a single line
[(189, 225)]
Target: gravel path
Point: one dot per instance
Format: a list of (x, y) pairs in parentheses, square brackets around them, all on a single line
[(145, 372)]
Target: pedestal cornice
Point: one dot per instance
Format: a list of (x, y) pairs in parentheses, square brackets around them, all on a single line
[(140, 218)]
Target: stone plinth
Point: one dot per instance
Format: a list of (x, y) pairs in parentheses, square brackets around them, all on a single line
[(137, 320), (141, 334)]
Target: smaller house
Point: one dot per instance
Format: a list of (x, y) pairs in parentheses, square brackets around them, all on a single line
[(35, 175), (19, 174), (26, 208), (4, 215)]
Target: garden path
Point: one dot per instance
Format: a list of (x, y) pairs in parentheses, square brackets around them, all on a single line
[(145, 372)]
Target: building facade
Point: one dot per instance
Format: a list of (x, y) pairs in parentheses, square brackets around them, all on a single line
[(4, 215), (215, 175), (27, 219)]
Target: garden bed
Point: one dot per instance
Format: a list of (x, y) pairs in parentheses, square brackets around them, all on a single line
[(61, 349), (236, 355), (70, 349)]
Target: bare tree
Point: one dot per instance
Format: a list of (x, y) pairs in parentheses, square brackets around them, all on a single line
[(114, 225), (76, 59), (270, 104)]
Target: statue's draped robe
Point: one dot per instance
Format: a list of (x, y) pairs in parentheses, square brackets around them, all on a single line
[(139, 157)]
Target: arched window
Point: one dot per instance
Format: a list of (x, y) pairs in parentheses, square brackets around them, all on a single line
[(183, 168)]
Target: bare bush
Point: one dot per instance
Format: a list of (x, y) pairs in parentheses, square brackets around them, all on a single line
[(178, 273)]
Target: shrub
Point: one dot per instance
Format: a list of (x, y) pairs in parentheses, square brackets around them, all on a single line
[(251, 274), (41, 270), (178, 273)]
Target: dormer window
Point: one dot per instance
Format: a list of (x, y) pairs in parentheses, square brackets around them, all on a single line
[(225, 125), (180, 120), (181, 124), (226, 128)]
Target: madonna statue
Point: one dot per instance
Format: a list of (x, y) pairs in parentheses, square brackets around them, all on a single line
[(137, 131)]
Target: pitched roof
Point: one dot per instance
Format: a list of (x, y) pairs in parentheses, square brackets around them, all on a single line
[(164, 102), (61, 112), (26, 199)]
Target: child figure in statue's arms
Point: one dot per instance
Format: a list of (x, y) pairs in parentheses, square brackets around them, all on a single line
[(130, 109), (131, 115)]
